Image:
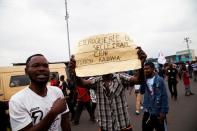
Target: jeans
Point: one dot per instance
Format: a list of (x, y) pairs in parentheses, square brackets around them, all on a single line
[(151, 122)]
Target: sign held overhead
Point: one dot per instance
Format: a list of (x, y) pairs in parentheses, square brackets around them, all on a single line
[(106, 53)]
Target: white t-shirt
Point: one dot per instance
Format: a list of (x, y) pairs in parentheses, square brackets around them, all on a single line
[(136, 87), (27, 107), (93, 95), (149, 83)]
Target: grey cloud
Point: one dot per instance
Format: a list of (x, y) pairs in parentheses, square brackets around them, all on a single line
[(31, 26)]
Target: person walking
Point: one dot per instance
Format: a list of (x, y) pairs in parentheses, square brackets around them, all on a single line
[(111, 99), (53, 81), (172, 75), (93, 102), (83, 100), (64, 86), (138, 103), (72, 98), (155, 100), (186, 81), (38, 106), (190, 70), (194, 66), (161, 71)]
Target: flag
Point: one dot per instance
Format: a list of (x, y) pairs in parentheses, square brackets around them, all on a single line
[(161, 58)]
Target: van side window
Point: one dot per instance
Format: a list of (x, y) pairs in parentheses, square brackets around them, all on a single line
[(20, 80)]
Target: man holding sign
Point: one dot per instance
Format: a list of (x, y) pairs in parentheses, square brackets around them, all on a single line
[(110, 92)]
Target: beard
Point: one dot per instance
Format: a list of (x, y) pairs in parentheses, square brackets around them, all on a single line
[(149, 75)]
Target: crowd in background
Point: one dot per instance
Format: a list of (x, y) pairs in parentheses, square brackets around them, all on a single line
[(79, 97)]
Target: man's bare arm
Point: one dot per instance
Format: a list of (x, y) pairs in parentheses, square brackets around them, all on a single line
[(139, 77)]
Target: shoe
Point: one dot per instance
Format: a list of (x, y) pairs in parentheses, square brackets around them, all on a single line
[(191, 94), (137, 112)]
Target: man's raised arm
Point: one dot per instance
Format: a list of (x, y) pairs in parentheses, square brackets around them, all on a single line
[(139, 77)]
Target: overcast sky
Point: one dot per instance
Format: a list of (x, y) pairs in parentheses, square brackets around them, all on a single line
[(39, 26)]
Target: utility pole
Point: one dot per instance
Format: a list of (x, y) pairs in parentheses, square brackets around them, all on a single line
[(187, 40), (68, 38), (67, 27)]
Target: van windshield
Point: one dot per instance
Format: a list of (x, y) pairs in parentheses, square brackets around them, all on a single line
[(23, 80), (19, 80)]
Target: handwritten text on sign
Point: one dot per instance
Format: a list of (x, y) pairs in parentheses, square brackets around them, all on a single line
[(103, 54)]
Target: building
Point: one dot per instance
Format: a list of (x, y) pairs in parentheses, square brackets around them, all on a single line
[(180, 56), (171, 59), (185, 56)]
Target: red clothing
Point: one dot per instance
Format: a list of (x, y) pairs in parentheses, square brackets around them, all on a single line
[(186, 80), (53, 82), (83, 94)]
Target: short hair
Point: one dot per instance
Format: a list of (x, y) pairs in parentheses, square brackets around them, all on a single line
[(62, 77), (53, 76), (29, 58), (151, 64)]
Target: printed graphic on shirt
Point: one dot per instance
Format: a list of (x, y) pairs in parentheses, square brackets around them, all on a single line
[(37, 116)]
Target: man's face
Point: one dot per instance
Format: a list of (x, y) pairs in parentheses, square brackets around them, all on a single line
[(171, 66), (38, 70), (148, 71), (107, 76)]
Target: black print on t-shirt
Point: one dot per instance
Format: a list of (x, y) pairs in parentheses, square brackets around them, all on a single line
[(37, 116)]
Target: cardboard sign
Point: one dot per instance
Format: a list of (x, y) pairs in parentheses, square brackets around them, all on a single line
[(104, 54)]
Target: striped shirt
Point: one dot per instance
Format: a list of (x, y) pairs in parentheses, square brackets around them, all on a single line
[(112, 104)]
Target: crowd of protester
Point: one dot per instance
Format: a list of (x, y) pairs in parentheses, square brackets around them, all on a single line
[(107, 94)]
